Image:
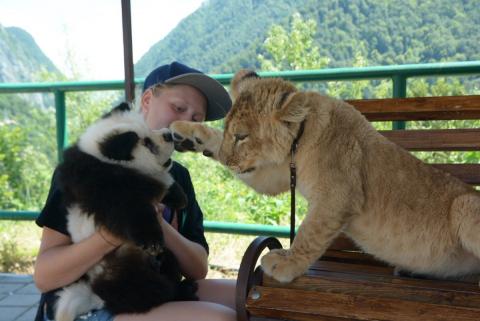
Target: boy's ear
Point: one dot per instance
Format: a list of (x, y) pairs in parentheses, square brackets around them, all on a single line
[(240, 80), (120, 146), (294, 109), (121, 108)]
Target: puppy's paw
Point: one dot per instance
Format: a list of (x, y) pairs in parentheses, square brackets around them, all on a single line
[(282, 265), (175, 197), (153, 250), (149, 241)]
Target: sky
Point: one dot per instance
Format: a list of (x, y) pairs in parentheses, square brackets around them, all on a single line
[(90, 31)]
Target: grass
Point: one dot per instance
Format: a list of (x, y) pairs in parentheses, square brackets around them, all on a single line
[(19, 243), (226, 252), (20, 240)]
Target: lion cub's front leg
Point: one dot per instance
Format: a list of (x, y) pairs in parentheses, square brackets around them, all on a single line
[(314, 236), (196, 137)]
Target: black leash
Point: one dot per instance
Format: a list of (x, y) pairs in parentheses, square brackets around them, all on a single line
[(293, 180)]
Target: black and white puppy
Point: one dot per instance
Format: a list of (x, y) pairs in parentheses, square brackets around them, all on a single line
[(112, 178)]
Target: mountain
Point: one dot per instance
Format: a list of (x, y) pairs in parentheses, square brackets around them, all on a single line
[(218, 34), (21, 60), (223, 36)]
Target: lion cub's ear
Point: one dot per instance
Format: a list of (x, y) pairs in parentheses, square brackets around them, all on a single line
[(294, 108), (241, 79)]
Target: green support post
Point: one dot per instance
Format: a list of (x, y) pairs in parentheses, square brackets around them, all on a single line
[(399, 91), (61, 118)]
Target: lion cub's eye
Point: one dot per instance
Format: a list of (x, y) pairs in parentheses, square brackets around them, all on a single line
[(240, 137)]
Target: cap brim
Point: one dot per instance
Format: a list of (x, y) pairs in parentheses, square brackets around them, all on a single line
[(218, 99)]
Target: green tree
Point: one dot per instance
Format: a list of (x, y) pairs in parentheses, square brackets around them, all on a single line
[(82, 108), (24, 171), (293, 49), (28, 149), (360, 88)]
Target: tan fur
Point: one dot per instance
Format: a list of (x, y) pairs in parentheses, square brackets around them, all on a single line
[(391, 204)]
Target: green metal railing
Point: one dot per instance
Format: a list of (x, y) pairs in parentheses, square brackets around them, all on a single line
[(398, 74), (210, 226)]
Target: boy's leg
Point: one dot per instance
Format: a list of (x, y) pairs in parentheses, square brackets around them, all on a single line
[(220, 291), (183, 311)]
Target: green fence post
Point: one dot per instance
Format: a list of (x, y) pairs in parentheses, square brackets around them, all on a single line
[(61, 118), (399, 91)]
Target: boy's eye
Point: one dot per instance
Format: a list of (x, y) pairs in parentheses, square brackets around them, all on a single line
[(179, 109)]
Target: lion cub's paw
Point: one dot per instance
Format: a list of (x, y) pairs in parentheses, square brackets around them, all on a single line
[(191, 136), (282, 265)]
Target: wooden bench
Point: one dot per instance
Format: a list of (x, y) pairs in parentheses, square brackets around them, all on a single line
[(346, 284)]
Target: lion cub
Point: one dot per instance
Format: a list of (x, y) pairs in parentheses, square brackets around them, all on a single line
[(391, 204)]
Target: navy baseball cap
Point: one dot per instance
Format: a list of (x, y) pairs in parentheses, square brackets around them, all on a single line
[(218, 100)]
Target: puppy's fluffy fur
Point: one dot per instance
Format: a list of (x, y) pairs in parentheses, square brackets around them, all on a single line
[(112, 179)]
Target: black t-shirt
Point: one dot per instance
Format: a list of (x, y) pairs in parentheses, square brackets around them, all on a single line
[(54, 216)]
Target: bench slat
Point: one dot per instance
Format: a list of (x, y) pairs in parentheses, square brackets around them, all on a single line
[(436, 140), (311, 305), (385, 287), (469, 173), (420, 108), (384, 274)]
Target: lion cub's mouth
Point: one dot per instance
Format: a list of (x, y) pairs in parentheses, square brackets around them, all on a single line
[(248, 170)]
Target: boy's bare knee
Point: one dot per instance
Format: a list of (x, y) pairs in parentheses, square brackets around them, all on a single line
[(184, 311)]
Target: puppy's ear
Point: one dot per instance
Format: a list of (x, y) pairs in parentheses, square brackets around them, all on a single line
[(241, 79), (119, 146), (175, 197), (123, 107), (294, 107)]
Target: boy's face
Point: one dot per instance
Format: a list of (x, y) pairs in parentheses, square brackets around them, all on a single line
[(178, 102)]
